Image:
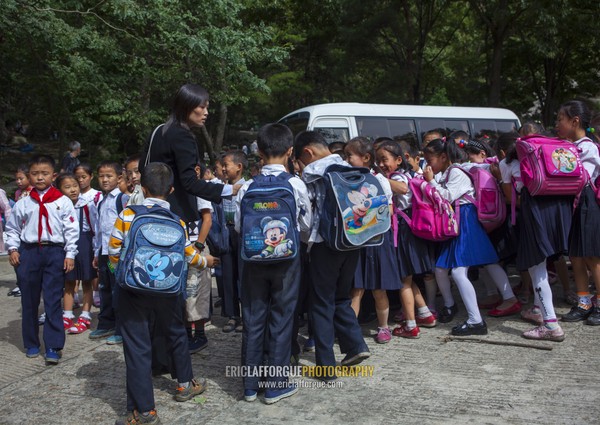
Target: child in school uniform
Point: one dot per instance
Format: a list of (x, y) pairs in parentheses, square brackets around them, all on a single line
[(42, 243), (199, 282), (573, 124), (137, 311), (88, 217), (234, 163), (270, 290), (331, 272), (110, 175), (472, 247), (414, 256), (377, 266), (84, 175)]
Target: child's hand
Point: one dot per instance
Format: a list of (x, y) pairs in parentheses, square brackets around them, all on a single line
[(69, 265), (212, 261), (428, 173), (14, 258), (95, 262), (235, 189)]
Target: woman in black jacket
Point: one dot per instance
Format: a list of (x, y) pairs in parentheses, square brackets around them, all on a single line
[(175, 145)]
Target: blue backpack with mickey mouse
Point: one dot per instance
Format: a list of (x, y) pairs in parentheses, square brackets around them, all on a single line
[(152, 260), (268, 229)]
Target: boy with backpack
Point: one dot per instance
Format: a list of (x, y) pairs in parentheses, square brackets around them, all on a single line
[(331, 270), (271, 211), (150, 249)]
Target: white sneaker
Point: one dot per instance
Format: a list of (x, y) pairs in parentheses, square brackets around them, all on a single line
[(42, 319)]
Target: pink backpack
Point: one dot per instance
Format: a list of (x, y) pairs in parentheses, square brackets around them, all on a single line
[(550, 166), (433, 218), (489, 201)]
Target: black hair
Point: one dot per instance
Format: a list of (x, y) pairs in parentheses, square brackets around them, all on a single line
[(62, 177), (132, 158), (380, 140), (506, 142), (306, 138), (157, 179), (42, 159), (238, 157), (476, 146), (85, 167), (203, 169), (274, 140), (394, 148), (461, 135), (409, 144), (448, 147), (22, 168), (335, 147), (531, 127), (187, 98), (362, 146), (576, 108), (110, 164)]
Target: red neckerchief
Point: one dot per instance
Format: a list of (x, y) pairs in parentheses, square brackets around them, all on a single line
[(50, 196), (86, 211)]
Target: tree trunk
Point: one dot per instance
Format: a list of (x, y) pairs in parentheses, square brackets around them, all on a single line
[(221, 123), (496, 71)]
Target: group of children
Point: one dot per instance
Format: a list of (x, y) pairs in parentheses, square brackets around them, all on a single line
[(59, 233)]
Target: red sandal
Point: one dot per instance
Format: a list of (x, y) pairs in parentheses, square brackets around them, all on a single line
[(81, 326)]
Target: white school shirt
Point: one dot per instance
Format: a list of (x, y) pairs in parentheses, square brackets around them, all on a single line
[(85, 226), (402, 202), (590, 157), (194, 228), (229, 206), (107, 216), (303, 205), (511, 171), (91, 194), (22, 225), (453, 185)]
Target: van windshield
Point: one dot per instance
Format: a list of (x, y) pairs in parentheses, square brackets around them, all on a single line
[(297, 122)]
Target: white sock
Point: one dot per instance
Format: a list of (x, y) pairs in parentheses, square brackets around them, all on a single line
[(542, 291), (443, 282), (85, 315), (430, 292), (68, 314), (467, 293), (411, 324), (423, 312), (501, 281)]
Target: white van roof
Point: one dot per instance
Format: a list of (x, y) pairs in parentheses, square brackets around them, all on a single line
[(417, 111)]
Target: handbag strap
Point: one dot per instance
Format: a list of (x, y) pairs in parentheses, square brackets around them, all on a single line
[(150, 144)]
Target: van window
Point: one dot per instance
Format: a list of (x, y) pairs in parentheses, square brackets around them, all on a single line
[(333, 129), (491, 128), (375, 127), (297, 122), (427, 124)]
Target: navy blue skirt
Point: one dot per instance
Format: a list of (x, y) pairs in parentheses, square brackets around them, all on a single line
[(505, 239), (415, 255), (83, 261), (544, 223), (377, 267), (472, 246), (583, 237)]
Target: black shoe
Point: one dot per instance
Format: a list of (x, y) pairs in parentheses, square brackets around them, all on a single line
[(466, 329), (577, 314), (197, 343), (354, 359), (15, 292), (446, 314), (594, 318)]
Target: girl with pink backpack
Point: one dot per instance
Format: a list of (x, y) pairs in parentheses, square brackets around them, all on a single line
[(414, 255), (472, 246), (573, 124), (377, 269)]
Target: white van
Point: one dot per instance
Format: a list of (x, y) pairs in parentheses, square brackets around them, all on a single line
[(340, 122)]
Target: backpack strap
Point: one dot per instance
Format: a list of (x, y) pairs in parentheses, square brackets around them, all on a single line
[(465, 195), (86, 211)]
